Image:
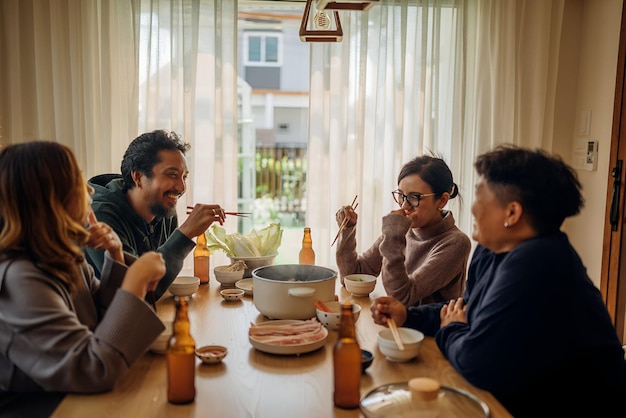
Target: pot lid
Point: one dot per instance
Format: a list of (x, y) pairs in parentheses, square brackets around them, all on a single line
[(397, 400)]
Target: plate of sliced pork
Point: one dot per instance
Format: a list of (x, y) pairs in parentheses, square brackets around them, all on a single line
[(288, 336)]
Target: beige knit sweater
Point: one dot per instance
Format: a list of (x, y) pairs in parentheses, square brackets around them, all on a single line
[(416, 265)]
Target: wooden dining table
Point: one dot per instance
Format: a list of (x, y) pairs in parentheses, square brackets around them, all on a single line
[(251, 383)]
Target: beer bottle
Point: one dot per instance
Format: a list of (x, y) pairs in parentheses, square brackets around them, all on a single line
[(181, 358), (347, 362), (201, 259), (307, 255)]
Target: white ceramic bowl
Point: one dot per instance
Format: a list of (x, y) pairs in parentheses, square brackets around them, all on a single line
[(232, 295), (211, 354), (331, 319), (227, 278), (411, 338), (159, 345), (184, 286), (254, 262), (360, 284)]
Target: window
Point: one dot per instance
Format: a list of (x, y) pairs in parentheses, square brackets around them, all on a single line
[(274, 81), (263, 49)]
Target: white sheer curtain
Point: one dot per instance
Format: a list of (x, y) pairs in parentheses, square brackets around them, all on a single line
[(510, 79), (188, 84), (415, 76), (379, 98), (67, 74), (95, 74)]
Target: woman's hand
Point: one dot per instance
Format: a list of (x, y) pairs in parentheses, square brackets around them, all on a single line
[(144, 274), (399, 212), (388, 307), (346, 212), (454, 311), (103, 237)]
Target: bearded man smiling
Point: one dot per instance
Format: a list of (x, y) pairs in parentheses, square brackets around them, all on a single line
[(140, 204)]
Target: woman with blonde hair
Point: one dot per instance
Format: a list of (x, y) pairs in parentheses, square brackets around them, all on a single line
[(62, 329)]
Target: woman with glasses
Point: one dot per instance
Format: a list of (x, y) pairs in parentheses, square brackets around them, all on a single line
[(421, 255)]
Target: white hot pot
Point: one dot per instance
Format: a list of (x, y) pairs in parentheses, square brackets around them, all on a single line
[(289, 291)]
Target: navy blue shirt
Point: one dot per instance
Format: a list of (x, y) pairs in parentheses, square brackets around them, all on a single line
[(538, 337)]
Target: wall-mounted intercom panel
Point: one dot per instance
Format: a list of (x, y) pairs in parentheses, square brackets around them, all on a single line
[(585, 155)]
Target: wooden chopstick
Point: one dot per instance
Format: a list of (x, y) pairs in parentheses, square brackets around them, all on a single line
[(345, 221), (242, 214), (353, 200), (341, 227), (394, 331)]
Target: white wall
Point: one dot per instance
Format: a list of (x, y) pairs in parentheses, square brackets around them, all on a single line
[(599, 23)]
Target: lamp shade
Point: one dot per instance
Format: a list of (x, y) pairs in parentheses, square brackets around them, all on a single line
[(320, 25)]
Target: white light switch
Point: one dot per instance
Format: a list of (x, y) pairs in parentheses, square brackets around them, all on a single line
[(585, 123)]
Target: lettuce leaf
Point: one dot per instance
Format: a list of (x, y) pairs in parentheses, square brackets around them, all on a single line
[(254, 244)]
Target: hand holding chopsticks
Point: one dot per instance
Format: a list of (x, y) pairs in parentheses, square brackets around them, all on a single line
[(202, 216), (345, 220)]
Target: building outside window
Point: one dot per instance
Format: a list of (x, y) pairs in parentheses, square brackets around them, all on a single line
[(273, 90), (262, 49)]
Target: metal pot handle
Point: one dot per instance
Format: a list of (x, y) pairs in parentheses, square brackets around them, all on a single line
[(301, 292)]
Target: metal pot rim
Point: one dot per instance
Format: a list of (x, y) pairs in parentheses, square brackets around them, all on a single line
[(332, 274)]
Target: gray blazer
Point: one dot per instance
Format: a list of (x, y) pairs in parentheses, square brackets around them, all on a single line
[(54, 340)]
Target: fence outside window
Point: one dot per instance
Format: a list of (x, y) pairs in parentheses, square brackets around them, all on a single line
[(281, 184)]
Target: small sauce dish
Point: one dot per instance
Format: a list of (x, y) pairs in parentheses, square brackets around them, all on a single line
[(366, 360), (232, 295), (211, 354)]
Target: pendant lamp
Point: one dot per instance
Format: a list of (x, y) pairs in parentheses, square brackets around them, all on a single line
[(320, 25), (362, 5)]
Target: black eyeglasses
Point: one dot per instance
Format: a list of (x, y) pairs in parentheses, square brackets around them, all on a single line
[(412, 198)]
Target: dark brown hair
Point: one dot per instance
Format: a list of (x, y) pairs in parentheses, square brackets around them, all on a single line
[(143, 153), (432, 170)]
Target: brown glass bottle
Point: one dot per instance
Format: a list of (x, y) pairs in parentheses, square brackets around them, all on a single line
[(347, 362), (307, 255), (181, 358), (201, 259)]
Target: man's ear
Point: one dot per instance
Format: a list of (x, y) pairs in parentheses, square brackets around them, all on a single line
[(136, 176)]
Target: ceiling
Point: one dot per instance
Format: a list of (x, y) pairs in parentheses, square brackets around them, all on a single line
[(258, 14)]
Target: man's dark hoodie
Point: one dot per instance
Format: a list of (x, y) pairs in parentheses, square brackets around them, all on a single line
[(111, 206)]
